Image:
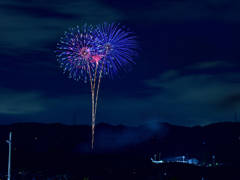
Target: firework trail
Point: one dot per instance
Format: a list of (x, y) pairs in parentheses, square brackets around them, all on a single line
[(92, 53), (95, 61), (77, 54), (118, 48)]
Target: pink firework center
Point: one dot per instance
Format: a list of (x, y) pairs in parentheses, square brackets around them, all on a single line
[(96, 58), (85, 53)]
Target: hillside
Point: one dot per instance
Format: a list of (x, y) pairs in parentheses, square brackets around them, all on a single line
[(59, 148)]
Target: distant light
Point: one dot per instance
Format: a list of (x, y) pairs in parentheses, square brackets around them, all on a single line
[(156, 162), (35, 137)]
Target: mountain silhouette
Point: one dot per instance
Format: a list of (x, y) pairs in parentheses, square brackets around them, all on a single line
[(59, 148)]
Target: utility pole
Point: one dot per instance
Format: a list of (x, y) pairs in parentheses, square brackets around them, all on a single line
[(9, 155)]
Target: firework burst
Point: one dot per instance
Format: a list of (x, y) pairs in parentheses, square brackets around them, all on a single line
[(119, 45), (91, 53), (75, 52)]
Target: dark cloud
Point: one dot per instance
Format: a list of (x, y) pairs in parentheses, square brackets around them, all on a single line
[(13, 102), (182, 11), (198, 95), (230, 102), (35, 11), (32, 25), (129, 5)]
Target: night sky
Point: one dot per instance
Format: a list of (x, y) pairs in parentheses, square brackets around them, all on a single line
[(188, 72)]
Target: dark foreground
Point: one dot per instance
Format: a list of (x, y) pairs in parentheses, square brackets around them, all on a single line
[(61, 152), (166, 171)]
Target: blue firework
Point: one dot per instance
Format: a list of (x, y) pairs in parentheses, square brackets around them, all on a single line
[(118, 45), (75, 52)]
